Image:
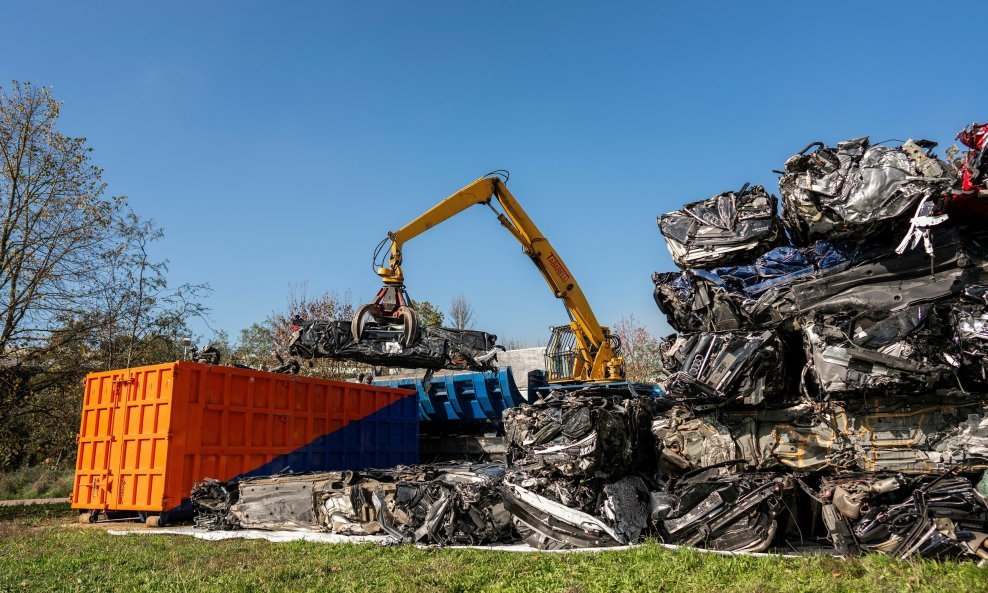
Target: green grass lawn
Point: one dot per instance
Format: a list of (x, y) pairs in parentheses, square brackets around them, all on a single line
[(41, 551), (36, 482)]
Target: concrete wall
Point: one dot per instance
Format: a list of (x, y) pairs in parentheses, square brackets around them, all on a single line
[(521, 361)]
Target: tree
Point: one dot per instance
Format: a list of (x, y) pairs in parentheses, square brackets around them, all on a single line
[(61, 242), (640, 350), (260, 344), (255, 347), (429, 314), (79, 291), (461, 312), (72, 261)]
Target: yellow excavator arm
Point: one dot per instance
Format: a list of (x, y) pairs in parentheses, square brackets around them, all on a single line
[(594, 356)]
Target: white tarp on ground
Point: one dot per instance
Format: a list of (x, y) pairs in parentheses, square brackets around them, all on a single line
[(335, 538)]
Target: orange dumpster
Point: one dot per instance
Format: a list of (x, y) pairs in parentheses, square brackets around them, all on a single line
[(148, 433)]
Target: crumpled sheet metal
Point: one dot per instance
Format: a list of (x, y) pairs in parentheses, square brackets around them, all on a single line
[(888, 282), (576, 462), (771, 294), (728, 227), (785, 265), (933, 436), (309, 501), (435, 348), (940, 343), (973, 171), (442, 505), (717, 368), (552, 510), (939, 516), (457, 507), (735, 513), (856, 190), (578, 434), (969, 320), (691, 302), (553, 514), (910, 350), (213, 499), (885, 348)]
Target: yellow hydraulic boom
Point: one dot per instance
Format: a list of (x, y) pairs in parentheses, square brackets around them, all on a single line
[(582, 351)]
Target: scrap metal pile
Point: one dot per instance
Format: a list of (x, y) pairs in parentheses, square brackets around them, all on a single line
[(595, 468), (577, 476), (828, 387), (436, 504), (828, 379)]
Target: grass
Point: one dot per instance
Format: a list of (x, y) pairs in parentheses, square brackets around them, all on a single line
[(41, 551), (36, 482)]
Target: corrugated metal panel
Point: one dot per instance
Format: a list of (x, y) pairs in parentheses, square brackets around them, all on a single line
[(148, 433)]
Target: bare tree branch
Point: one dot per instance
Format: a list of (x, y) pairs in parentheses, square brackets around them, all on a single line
[(78, 290), (461, 312)]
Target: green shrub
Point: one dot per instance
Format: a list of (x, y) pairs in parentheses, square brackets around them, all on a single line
[(40, 481)]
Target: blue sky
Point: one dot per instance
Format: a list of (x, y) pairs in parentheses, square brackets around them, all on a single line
[(277, 143)]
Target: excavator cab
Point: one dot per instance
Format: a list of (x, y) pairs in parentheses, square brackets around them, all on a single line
[(565, 359), (560, 354)]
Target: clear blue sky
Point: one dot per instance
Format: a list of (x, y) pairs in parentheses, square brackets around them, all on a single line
[(276, 143)]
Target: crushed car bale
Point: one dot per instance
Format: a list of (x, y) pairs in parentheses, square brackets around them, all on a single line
[(857, 189), (578, 434), (728, 227), (747, 368), (579, 465), (212, 500), (935, 516), (431, 348)]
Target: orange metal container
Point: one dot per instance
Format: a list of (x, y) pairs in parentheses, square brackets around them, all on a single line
[(148, 433)]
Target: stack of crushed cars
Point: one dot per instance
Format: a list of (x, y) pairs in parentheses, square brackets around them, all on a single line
[(827, 388), (829, 378)]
